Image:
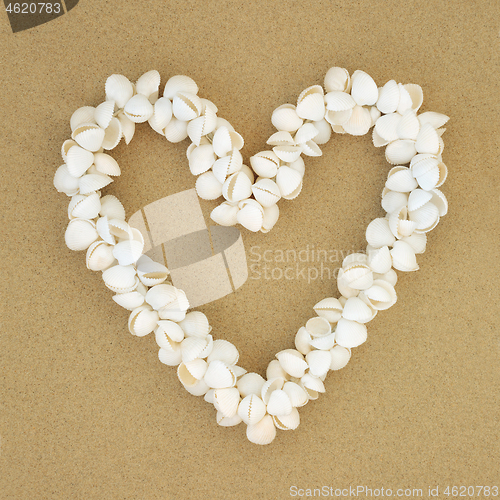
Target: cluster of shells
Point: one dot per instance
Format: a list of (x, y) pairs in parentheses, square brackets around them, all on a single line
[(207, 367)]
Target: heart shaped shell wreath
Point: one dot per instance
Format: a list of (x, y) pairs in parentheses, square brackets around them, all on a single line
[(207, 367)]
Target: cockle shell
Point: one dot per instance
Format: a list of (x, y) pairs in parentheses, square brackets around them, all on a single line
[(378, 233), (403, 257), (311, 383), (400, 179), (265, 163), (202, 126), (84, 206), (399, 223), (302, 341), (227, 421), (329, 308), (148, 85), (119, 89), (162, 114), (227, 165), (339, 101), (388, 97), (281, 138), (223, 351), (195, 324), (127, 127), (271, 215), (311, 103), (170, 357), (266, 192), (120, 279), (64, 182), (364, 89), (310, 148), (393, 200), (340, 357), (405, 100), (350, 333), (219, 375), (305, 133), (225, 214), (437, 120), (357, 275), (120, 229), (429, 171), (319, 362), (89, 136), (128, 251), (288, 181), (150, 272), (400, 151), (186, 106), (168, 332), (356, 310), (298, 165), (287, 422), (106, 164), (190, 373), (298, 397), (250, 215), (324, 131), (285, 118), (80, 234), (428, 140), (318, 327), (381, 295), (270, 386), (416, 95), (130, 300), (387, 126), (103, 113), (408, 126), (251, 409), (417, 241), (337, 79), (99, 257), (377, 140), (195, 347), (275, 370), (286, 153), (103, 229), (138, 109), (379, 259), (171, 302), (279, 403), (359, 122), (84, 114), (250, 383), (226, 401), (208, 187), (179, 83), (439, 199), (93, 182), (292, 362), (198, 389), (142, 321), (337, 118), (375, 114), (225, 140), (176, 130), (78, 160), (425, 217), (237, 187)]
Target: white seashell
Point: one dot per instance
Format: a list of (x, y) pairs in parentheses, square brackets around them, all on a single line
[(250, 215), (225, 140), (279, 403), (195, 347), (270, 386), (311, 393), (387, 126), (138, 109), (266, 192), (337, 79), (265, 163), (388, 97), (226, 401), (417, 241), (339, 101), (106, 164), (392, 200), (350, 333), (159, 296), (168, 332), (375, 114), (148, 85), (408, 126), (151, 273), (103, 113), (437, 120), (429, 171), (324, 131), (127, 126), (329, 308), (287, 154), (130, 300), (356, 276), (263, 432), (274, 371), (418, 198), (318, 327), (189, 374), (311, 383), (198, 389), (64, 182), (286, 118), (345, 290), (288, 180), (226, 421), (305, 133), (176, 130), (219, 375), (405, 100), (176, 310), (120, 279), (378, 233), (84, 206), (209, 396), (113, 134), (359, 122), (381, 295), (227, 165), (170, 357), (186, 106), (250, 383), (354, 259), (439, 199), (112, 207), (400, 151), (377, 140), (251, 409), (195, 324), (292, 362), (427, 140), (356, 310), (225, 214), (302, 339), (287, 422), (89, 136), (298, 165), (298, 397), (403, 257), (142, 321), (379, 259), (271, 215), (400, 179), (399, 223), (364, 89), (82, 115), (99, 257), (310, 148), (319, 362), (202, 126), (119, 89), (338, 118), (340, 357), (93, 182), (201, 159), (179, 83), (416, 95), (237, 187), (426, 217), (80, 234), (128, 251), (223, 351), (162, 114), (281, 138), (208, 187), (311, 103)]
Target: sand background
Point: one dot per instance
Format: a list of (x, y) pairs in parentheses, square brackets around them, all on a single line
[(86, 409)]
